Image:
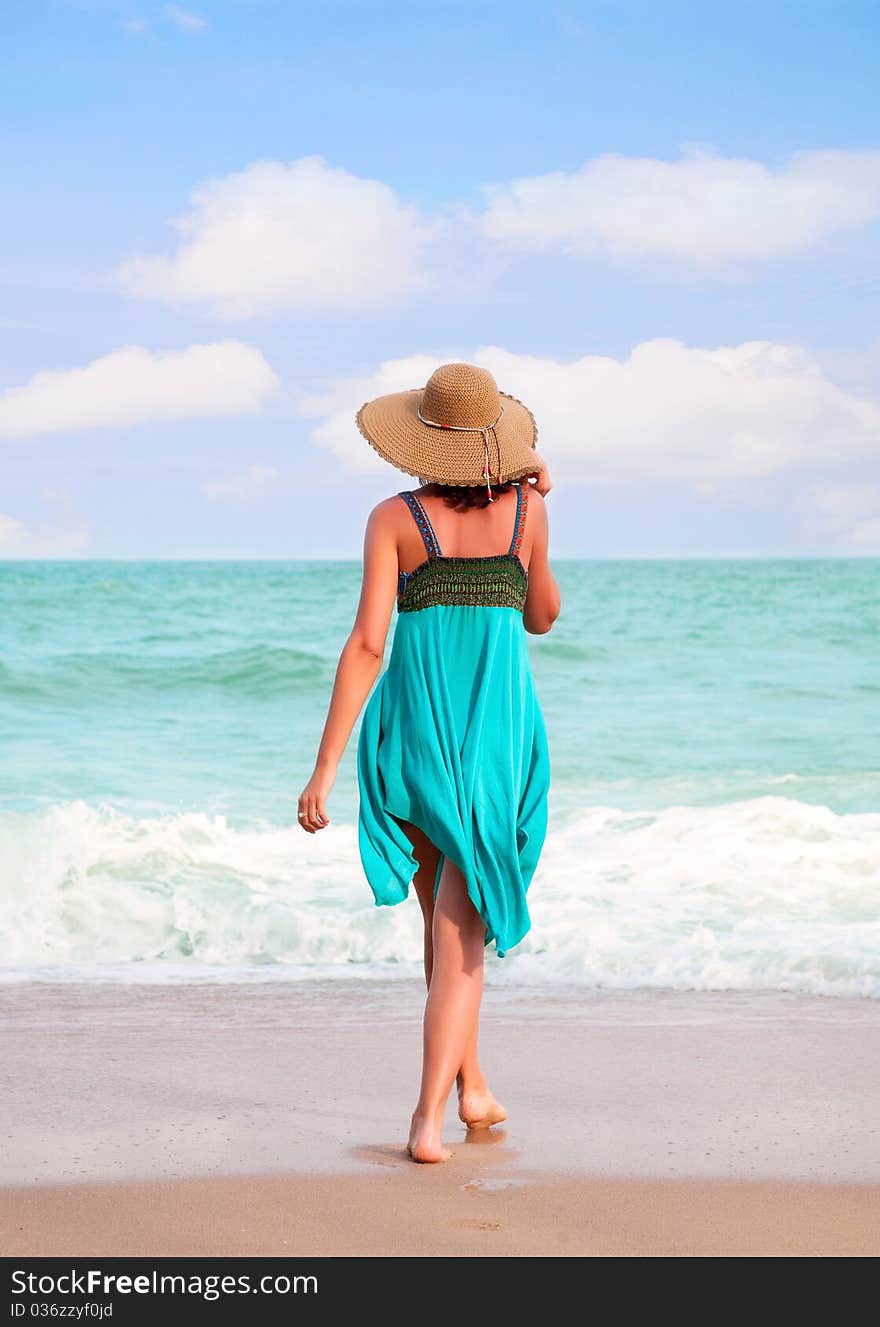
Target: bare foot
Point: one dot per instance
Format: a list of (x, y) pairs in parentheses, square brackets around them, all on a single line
[(480, 1110), (425, 1143)]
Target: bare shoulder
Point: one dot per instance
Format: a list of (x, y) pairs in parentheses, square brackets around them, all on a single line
[(386, 511), (537, 505), (385, 521)]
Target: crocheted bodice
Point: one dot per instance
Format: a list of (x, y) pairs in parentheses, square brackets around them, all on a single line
[(496, 580)]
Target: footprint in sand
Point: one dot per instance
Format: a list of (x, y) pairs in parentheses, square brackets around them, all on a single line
[(489, 1185)]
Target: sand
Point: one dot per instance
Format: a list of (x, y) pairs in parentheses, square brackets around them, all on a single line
[(270, 1119)]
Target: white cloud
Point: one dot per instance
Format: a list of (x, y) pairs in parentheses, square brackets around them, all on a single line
[(65, 534), (137, 27), (703, 208), (849, 513), (185, 19), (133, 386), (304, 235), (248, 485), (280, 236), (667, 414)]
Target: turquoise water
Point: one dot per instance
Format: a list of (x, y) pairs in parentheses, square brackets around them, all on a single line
[(713, 733)]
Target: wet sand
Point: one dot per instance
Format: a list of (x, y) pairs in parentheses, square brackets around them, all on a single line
[(270, 1119)]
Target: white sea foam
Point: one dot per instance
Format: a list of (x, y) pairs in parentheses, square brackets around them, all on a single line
[(768, 893)]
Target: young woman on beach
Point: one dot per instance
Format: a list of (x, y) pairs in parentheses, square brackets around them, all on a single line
[(452, 759)]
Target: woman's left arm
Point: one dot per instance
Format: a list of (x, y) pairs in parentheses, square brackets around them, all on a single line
[(359, 663)]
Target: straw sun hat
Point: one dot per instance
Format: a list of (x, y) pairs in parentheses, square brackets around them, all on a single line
[(441, 432)]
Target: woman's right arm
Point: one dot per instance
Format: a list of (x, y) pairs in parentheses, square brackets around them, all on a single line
[(543, 600)]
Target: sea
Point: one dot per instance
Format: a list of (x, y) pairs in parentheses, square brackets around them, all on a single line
[(714, 730)]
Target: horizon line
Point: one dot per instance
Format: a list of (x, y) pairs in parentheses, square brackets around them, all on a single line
[(560, 558)]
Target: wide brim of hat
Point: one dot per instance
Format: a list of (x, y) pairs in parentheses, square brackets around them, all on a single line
[(391, 425)]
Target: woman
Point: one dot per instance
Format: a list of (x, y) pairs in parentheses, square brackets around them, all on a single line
[(453, 767)]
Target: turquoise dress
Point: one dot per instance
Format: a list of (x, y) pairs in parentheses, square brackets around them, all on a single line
[(452, 737)]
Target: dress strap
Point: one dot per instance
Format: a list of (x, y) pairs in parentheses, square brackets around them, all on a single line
[(414, 502), (519, 525)]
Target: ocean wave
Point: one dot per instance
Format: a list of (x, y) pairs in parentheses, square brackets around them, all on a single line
[(254, 672), (766, 893)]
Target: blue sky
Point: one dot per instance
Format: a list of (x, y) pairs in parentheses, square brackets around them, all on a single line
[(656, 223)]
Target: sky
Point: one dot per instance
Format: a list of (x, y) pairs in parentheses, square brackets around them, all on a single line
[(227, 225)]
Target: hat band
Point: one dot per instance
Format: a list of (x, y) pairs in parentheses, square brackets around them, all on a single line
[(459, 428)]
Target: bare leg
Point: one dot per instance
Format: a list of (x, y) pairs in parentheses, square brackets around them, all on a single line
[(477, 1107), (451, 1010)]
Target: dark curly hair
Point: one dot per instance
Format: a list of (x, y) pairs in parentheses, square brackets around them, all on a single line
[(463, 497)]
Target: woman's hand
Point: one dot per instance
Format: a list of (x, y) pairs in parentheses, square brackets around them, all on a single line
[(542, 481), (312, 801)]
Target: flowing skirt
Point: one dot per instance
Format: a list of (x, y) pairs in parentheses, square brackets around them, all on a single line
[(453, 740)]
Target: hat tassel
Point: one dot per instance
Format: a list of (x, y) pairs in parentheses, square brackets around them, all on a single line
[(486, 471)]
